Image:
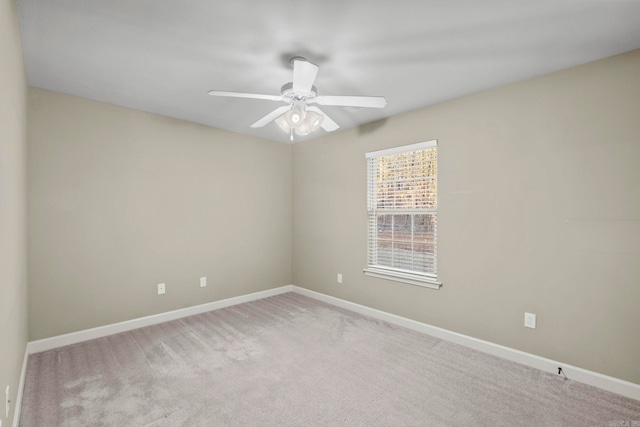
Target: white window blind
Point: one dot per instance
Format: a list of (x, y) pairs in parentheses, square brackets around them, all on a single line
[(403, 213)]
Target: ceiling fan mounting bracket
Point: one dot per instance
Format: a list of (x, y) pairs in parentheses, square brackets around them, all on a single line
[(297, 58)]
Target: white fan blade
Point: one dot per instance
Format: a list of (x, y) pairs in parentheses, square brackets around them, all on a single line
[(245, 95), (304, 74), (352, 101), (271, 116), (327, 124)]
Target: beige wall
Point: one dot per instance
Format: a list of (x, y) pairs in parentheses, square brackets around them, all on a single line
[(13, 202), (538, 197), (539, 211), (121, 200)]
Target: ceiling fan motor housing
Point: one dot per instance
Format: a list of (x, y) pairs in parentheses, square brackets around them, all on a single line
[(290, 95)]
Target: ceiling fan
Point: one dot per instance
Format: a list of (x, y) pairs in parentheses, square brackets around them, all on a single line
[(299, 114)]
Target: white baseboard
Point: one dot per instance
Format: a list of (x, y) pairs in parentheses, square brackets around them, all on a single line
[(18, 405), (575, 373), (115, 328), (615, 385)]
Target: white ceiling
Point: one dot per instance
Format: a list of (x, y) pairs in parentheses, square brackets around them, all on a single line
[(162, 56)]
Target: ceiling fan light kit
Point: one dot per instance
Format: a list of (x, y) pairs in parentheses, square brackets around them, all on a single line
[(300, 120), (299, 115), (296, 114)]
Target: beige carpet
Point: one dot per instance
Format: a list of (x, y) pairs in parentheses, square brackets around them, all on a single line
[(292, 361)]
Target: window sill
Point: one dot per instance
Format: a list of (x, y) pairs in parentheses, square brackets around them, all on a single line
[(397, 276)]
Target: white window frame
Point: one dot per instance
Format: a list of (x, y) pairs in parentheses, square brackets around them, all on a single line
[(389, 273)]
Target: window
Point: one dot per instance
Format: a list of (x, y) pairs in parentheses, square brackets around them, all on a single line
[(403, 215)]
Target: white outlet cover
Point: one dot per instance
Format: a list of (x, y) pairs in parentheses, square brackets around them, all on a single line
[(6, 400), (339, 278), (161, 288), (203, 282), (530, 320)]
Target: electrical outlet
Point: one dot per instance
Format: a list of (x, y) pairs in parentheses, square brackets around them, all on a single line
[(203, 282), (339, 278), (530, 320), (161, 289)]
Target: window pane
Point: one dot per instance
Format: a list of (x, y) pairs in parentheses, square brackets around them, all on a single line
[(424, 227), (402, 255), (384, 196), (423, 257), (402, 227), (385, 227), (384, 253)]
